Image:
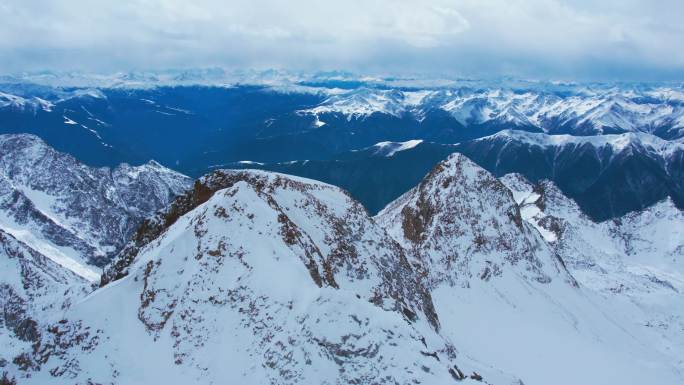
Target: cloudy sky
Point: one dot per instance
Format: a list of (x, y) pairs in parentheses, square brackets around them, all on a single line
[(560, 39)]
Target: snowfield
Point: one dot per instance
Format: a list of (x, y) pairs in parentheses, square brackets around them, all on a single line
[(76, 215), (262, 278)]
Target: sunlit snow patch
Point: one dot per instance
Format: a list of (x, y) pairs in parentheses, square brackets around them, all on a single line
[(388, 149)]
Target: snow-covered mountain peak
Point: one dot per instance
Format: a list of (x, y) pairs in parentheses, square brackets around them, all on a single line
[(496, 276), (315, 201), (582, 112), (653, 236), (75, 214), (664, 207), (20, 103), (616, 142), (464, 223), (364, 102), (271, 279), (26, 98), (268, 278)]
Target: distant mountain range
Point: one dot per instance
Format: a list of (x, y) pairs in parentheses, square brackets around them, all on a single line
[(659, 111), (325, 126), (608, 175)]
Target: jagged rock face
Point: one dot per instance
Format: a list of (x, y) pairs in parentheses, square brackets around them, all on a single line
[(655, 234), (347, 235), (32, 287), (652, 236), (586, 247), (59, 219), (503, 294), (270, 279), (63, 208), (635, 262), (462, 223), (544, 197)]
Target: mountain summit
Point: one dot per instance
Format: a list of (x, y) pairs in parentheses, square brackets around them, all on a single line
[(80, 216), (260, 277)]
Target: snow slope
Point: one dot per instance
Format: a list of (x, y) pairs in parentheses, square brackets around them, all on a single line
[(503, 294), (633, 263), (258, 277), (388, 149), (77, 215), (272, 279), (32, 289)]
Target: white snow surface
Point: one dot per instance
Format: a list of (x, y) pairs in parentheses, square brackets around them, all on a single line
[(388, 149), (504, 297), (72, 213), (284, 280), (588, 111), (272, 280), (634, 263)]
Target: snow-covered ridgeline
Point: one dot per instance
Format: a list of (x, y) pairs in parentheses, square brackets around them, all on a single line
[(271, 279), (77, 215), (635, 262), (586, 111), (507, 286), (617, 142), (268, 278)]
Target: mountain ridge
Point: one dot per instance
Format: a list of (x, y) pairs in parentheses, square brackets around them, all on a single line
[(357, 306), (71, 211), (272, 278)]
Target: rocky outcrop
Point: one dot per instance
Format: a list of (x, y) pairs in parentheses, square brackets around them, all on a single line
[(462, 223), (32, 288), (53, 202), (288, 280)]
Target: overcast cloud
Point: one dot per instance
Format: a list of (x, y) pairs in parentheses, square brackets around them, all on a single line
[(571, 39)]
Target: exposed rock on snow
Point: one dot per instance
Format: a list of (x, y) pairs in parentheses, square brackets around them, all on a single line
[(502, 292), (268, 279), (32, 289), (78, 215), (259, 277), (462, 223), (634, 262)]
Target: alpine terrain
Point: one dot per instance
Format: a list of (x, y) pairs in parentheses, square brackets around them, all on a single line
[(60, 223), (257, 277), (351, 192)]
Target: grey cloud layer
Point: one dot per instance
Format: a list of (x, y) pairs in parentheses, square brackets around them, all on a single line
[(534, 38)]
